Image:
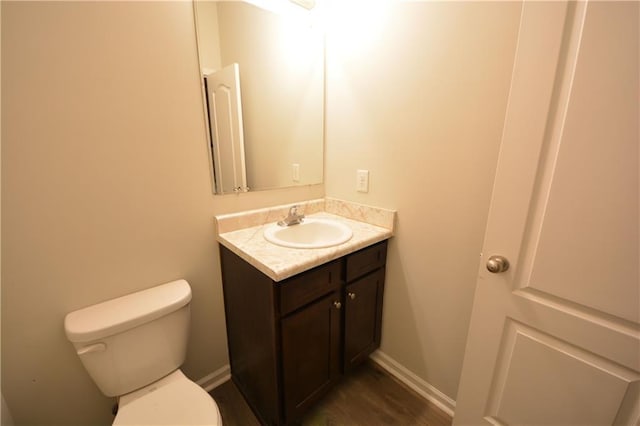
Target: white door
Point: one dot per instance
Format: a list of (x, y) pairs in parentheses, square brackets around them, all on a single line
[(555, 339), (225, 125)]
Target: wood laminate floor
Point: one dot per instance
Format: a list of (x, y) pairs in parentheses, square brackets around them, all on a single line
[(367, 396)]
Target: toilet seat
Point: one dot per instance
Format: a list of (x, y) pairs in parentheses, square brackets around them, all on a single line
[(172, 400)]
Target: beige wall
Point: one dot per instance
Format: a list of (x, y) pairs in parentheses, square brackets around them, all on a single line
[(105, 189), (208, 40), (419, 100)]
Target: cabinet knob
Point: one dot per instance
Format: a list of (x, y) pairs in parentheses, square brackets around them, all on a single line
[(351, 295), (337, 304)]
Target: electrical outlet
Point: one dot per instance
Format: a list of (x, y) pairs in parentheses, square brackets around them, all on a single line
[(295, 172), (362, 180)]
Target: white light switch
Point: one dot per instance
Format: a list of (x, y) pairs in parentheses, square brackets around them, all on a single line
[(295, 172), (362, 180)]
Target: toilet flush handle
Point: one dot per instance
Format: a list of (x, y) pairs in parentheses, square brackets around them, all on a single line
[(96, 347)]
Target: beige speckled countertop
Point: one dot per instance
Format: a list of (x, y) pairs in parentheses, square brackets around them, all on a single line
[(279, 263)]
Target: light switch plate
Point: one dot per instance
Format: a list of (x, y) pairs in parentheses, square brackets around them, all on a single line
[(295, 172), (362, 180)]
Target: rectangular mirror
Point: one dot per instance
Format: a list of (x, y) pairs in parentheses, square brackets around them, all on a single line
[(263, 85)]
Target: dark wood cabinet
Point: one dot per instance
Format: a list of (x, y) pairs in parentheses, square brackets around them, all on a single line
[(362, 318), (310, 354), (291, 341)]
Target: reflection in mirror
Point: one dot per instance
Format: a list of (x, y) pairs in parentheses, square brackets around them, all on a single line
[(263, 80)]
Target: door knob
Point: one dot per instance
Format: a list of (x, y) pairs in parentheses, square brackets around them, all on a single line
[(337, 304), (497, 264), (352, 296)]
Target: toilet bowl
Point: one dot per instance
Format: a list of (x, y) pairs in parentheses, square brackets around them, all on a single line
[(172, 400), (133, 346)]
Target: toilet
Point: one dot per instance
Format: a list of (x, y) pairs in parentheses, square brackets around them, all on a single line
[(133, 347)]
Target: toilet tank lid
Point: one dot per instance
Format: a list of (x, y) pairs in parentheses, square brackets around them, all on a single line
[(117, 315)]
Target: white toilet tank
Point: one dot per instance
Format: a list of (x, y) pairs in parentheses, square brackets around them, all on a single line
[(129, 342)]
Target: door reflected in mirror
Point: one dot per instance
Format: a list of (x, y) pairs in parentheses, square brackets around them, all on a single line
[(263, 85)]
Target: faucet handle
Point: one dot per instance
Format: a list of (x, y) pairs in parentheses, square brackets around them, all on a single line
[(293, 211), (293, 218)]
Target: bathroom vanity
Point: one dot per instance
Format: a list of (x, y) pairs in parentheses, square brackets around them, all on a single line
[(299, 319), (290, 341)]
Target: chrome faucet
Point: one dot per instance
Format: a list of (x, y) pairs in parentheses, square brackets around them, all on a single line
[(293, 218)]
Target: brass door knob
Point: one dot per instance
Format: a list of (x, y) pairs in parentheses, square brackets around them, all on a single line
[(351, 295), (497, 264), (337, 304)]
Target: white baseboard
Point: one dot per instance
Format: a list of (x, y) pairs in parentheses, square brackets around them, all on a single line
[(215, 379), (414, 382)]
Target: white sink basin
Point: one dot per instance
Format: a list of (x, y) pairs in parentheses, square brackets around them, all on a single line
[(311, 233)]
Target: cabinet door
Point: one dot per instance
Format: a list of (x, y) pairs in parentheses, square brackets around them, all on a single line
[(363, 317), (310, 353)]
